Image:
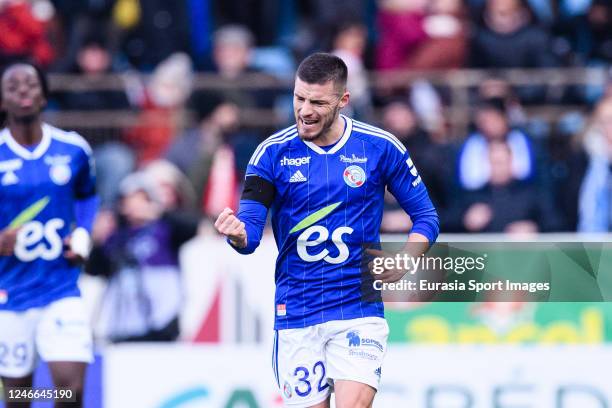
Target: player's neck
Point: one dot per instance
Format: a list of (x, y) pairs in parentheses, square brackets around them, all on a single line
[(26, 133), (333, 134)]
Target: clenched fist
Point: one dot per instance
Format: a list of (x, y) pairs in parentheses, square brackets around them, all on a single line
[(230, 226), (8, 238)]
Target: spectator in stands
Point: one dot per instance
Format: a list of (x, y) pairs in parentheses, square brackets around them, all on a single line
[(176, 193), (323, 18), (447, 39), (492, 125), (600, 24), (496, 87), (584, 30), (350, 44), (566, 170), (595, 200), (93, 61), (24, 35), (505, 204), (139, 256), (232, 52), (421, 35), (162, 103), (429, 158), (401, 32), (261, 17), (114, 160), (507, 36), (78, 21), (162, 29), (214, 154)]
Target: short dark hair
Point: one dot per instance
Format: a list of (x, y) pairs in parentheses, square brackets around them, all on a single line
[(321, 67)]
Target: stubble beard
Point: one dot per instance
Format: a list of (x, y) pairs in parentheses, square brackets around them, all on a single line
[(326, 126)]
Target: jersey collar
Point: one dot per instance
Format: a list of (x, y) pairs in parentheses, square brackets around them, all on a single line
[(24, 153), (345, 136)]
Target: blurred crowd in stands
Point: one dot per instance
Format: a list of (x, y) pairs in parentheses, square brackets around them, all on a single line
[(506, 171)]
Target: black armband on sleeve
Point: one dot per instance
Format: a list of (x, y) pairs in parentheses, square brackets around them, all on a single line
[(258, 189)]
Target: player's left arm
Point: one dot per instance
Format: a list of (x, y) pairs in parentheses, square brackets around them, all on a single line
[(78, 243), (406, 185), (404, 182)]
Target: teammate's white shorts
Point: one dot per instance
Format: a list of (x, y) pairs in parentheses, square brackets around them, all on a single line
[(59, 331), (306, 361)]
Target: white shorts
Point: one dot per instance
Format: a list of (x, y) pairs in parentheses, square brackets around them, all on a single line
[(59, 331), (307, 361)]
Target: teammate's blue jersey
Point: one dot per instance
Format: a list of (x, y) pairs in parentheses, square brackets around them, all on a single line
[(328, 202), (39, 186)]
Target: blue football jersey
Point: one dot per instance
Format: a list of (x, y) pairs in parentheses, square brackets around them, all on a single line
[(328, 203), (38, 190)]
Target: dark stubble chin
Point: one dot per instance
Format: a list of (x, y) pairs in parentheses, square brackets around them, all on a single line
[(26, 119), (326, 126)]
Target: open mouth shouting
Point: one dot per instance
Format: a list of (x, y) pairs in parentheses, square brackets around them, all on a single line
[(309, 129)]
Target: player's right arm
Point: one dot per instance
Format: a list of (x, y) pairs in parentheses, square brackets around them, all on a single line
[(245, 229), (235, 230)]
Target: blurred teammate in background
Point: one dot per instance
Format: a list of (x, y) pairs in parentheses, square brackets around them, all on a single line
[(47, 207), (324, 180)]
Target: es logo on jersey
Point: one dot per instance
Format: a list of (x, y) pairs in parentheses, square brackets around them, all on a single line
[(35, 239), (315, 235), (354, 176), (38, 240)]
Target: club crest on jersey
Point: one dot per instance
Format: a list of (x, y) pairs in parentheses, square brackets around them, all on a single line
[(354, 176), (60, 174), (59, 171), (3, 296)]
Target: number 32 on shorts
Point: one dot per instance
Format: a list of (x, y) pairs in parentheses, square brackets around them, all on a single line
[(305, 379)]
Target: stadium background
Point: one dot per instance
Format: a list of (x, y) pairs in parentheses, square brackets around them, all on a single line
[(201, 82)]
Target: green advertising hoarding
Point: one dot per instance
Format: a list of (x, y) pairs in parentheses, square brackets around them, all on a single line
[(501, 323)]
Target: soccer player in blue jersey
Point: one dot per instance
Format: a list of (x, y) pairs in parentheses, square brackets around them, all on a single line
[(323, 180), (47, 208)]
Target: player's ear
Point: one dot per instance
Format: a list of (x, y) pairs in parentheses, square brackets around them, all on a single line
[(344, 99)]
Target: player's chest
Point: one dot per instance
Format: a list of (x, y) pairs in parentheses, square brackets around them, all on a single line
[(310, 175), (50, 174)]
